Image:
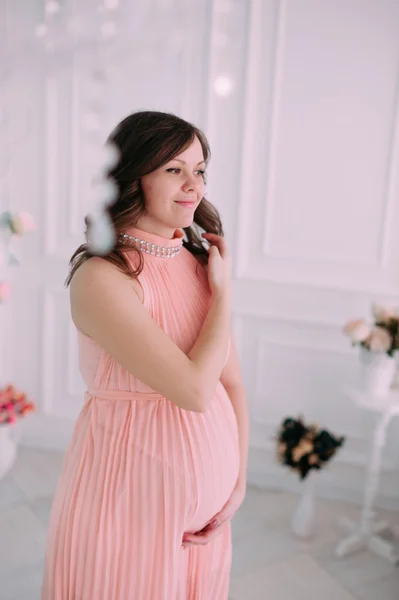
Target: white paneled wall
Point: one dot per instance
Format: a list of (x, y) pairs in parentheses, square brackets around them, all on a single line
[(300, 101), (316, 219)]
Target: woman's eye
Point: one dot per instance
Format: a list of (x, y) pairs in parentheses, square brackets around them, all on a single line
[(177, 171), (202, 174)]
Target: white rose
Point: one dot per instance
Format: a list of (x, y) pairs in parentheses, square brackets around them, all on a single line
[(379, 340), (357, 330)]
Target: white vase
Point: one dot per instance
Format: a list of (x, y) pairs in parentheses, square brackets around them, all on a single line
[(303, 522), (9, 435), (395, 382), (377, 372)]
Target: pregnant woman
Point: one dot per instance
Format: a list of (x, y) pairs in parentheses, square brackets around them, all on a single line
[(156, 467)]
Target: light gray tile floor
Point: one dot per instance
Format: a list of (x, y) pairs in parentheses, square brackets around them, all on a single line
[(268, 562)]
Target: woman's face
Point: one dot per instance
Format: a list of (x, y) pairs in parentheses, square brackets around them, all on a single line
[(173, 192)]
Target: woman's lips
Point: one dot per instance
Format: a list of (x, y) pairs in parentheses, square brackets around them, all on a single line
[(186, 204)]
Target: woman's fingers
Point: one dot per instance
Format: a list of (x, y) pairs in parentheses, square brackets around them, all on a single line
[(218, 241), (203, 537)]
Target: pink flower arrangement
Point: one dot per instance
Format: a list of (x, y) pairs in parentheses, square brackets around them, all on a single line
[(5, 291), (13, 405), (381, 336), (21, 222), (18, 222)]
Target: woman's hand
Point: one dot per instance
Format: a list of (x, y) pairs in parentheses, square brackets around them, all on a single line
[(219, 264), (216, 525)]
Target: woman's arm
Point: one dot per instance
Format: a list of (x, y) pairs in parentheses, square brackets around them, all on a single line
[(231, 380), (105, 307)]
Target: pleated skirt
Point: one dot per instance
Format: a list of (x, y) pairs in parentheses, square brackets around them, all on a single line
[(138, 474)]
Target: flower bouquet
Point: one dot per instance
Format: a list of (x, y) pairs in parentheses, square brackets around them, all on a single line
[(305, 448), (13, 406), (18, 223), (380, 336), (378, 342)]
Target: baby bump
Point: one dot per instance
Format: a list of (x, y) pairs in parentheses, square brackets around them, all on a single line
[(213, 458), (197, 452)]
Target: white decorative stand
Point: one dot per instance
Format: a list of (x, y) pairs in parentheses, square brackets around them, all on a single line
[(367, 534), (303, 522), (377, 372)]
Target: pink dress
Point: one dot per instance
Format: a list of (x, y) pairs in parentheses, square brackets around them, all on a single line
[(140, 472)]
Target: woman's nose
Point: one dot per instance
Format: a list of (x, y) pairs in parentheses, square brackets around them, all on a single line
[(189, 184)]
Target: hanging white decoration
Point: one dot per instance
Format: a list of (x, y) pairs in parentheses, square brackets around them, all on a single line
[(100, 236), (223, 85), (90, 31), (96, 35)]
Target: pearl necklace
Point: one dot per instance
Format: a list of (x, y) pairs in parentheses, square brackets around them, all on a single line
[(148, 247)]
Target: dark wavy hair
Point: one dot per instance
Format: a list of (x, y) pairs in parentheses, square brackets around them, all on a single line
[(147, 140)]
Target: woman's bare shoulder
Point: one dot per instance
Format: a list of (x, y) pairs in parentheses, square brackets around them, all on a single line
[(104, 308), (96, 273)]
